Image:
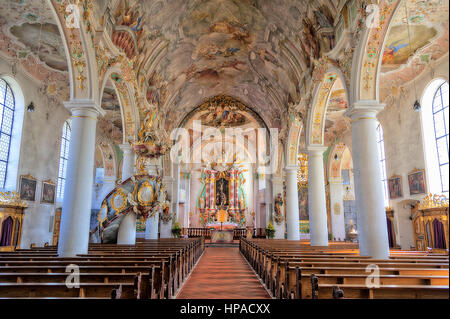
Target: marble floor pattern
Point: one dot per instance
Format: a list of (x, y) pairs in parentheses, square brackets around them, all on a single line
[(222, 273)]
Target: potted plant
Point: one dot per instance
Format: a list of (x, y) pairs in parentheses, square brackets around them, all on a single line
[(176, 230), (270, 231)]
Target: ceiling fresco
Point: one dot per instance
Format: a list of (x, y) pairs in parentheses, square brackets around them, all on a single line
[(44, 40), (110, 126), (336, 124), (30, 39), (223, 47), (409, 50), (181, 53)]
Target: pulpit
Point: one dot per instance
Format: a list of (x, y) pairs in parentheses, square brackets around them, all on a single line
[(11, 220)]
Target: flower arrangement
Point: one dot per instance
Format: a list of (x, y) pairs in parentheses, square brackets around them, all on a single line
[(270, 231), (176, 230)]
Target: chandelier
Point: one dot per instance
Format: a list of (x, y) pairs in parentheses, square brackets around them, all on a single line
[(302, 172)]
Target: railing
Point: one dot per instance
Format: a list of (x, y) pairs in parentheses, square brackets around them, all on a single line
[(206, 232)]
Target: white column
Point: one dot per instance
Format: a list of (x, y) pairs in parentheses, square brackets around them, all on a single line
[(127, 229), (337, 209), (152, 223), (172, 191), (151, 227), (316, 196), (268, 199), (195, 192), (76, 210), (292, 213), (186, 186), (372, 230), (128, 161)]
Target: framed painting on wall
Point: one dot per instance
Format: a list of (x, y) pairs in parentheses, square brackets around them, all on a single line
[(28, 187), (395, 187), (416, 182), (48, 192)]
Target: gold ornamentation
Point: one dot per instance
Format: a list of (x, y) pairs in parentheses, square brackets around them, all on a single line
[(434, 201), (103, 213), (28, 176), (146, 194), (337, 209), (302, 173), (120, 194), (12, 199)]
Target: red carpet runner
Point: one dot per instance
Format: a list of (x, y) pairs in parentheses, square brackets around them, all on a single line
[(222, 273)]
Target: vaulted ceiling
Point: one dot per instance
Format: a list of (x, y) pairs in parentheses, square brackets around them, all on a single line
[(261, 52)]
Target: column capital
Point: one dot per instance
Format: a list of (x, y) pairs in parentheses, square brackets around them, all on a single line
[(84, 105), (316, 149), (126, 148), (335, 180), (365, 109), (291, 168)]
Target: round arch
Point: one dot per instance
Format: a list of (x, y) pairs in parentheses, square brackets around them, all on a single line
[(315, 128), (11, 179)]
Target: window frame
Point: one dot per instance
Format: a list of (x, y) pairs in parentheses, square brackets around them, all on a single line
[(435, 114), (3, 105), (65, 142), (382, 154)]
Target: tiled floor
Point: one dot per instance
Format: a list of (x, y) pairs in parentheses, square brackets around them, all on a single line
[(222, 273)]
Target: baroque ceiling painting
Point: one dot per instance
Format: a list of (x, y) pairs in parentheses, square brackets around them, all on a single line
[(418, 37), (226, 63), (30, 39), (336, 124)]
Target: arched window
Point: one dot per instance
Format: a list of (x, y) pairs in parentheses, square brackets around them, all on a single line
[(63, 158), (440, 121), (435, 125), (7, 107), (380, 142)]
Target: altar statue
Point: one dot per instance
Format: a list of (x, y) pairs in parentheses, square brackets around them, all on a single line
[(278, 216)]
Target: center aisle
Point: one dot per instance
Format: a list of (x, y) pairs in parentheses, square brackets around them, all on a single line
[(222, 273)]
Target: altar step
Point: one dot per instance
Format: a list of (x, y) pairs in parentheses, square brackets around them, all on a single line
[(232, 245)]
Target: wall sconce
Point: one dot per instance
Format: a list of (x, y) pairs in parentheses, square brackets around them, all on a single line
[(30, 107)]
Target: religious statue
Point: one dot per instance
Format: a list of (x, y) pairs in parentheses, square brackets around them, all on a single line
[(278, 216), (222, 198), (164, 206), (201, 202)]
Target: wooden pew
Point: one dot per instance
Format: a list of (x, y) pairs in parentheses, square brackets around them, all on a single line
[(154, 269), (286, 268)]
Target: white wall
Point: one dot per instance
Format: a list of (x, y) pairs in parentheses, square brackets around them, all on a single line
[(404, 145), (39, 155)]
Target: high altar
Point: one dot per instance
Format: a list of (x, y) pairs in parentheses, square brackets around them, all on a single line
[(222, 190)]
